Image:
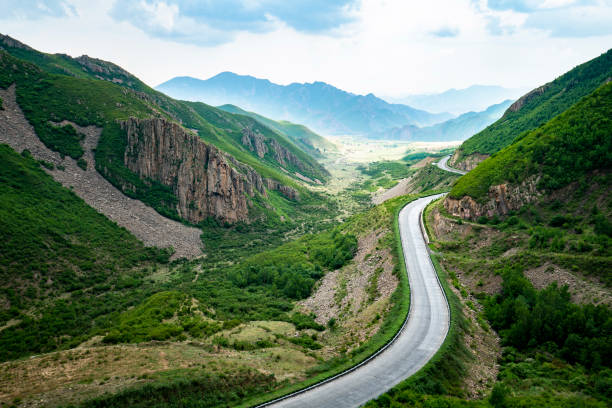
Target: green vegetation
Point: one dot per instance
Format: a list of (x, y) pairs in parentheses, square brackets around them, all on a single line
[(305, 138), (293, 268), (186, 388), (541, 105), (53, 244), (528, 319), (566, 149)]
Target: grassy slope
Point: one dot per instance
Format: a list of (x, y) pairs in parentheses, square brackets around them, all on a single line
[(558, 96), (564, 150), (53, 244), (300, 134)]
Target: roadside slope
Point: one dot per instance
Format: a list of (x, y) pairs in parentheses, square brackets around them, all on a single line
[(419, 339)]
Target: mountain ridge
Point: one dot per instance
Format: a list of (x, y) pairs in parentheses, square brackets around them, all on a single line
[(320, 106), (459, 128)]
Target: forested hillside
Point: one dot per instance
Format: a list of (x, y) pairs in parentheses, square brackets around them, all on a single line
[(567, 149), (539, 106)]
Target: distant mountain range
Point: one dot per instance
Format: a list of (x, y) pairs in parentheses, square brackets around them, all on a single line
[(318, 105), (459, 128), (475, 98)]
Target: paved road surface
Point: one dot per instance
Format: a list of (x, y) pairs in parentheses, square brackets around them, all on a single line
[(420, 338), (443, 164)]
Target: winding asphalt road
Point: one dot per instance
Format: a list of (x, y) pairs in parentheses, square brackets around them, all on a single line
[(443, 164), (421, 336)]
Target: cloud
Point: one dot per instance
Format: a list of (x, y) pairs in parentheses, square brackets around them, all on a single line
[(215, 22), (495, 26), (444, 32), (34, 9), (557, 18), (577, 22)]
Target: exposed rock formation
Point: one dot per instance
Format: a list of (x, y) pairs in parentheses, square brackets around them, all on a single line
[(206, 181), (466, 163), (502, 199), (260, 144), (255, 142), (516, 106), (141, 220)]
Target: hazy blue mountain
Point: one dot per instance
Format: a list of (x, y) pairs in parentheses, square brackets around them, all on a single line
[(459, 128), (320, 106), (475, 98)]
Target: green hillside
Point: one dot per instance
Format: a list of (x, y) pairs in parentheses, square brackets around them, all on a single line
[(566, 149), (541, 105), (305, 138), (48, 97), (53, 246)]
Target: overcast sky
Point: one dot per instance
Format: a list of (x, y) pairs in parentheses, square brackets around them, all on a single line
[(388, 47)]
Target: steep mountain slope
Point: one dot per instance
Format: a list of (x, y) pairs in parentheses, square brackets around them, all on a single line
[(457, 101), (534, 109), (52, 243), (572, 148), (458, 128), (240, 164), (526, 241), (320, 106), (305, 138)]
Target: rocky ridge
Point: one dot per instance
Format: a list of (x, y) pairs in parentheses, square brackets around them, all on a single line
[(206, 181), (261, 145), (467, 163), (141, 220), (501, 199)]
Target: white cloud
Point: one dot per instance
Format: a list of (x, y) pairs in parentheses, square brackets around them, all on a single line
[(386, 48)]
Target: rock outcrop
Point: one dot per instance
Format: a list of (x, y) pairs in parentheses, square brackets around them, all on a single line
[(467, 163), (206, 181), (502, 199), (520, 102), (261, 145)]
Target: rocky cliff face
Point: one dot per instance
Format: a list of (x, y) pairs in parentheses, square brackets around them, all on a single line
[(205, 180), (516, 106), (502, 199), (261, 145), (467, 163)]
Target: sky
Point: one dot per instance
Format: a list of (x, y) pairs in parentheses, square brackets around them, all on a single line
[(387, 47)]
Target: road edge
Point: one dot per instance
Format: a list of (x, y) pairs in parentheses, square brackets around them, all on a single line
[(404, 271)]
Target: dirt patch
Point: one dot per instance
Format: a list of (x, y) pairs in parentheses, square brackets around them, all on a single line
[(484, 345), (357, 295), (403, 187), (143, 221), (584, 290), (424, 162), (69, 377)]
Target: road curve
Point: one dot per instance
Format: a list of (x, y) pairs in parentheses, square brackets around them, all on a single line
[(443, 164), (421, 336)]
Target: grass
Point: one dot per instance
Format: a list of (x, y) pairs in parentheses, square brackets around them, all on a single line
[(555, 97), (394, 319), (563, 150)]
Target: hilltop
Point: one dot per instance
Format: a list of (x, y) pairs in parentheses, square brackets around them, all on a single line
[(534, 109)]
